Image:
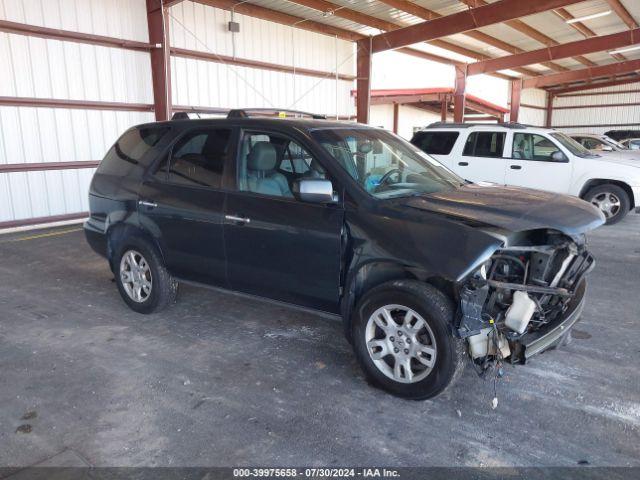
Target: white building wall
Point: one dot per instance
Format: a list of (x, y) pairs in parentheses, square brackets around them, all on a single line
[(44, 68), (204, 83), (598, 119), (409, 118), (535, 97)]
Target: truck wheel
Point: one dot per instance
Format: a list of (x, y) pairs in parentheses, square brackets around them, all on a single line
[(611, 199), (403, 341), (143, 281)]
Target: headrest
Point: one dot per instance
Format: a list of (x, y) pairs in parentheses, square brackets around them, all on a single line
[(262, 157)]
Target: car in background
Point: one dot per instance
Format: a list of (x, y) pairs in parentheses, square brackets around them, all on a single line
[(604, 145), (426, 270), (541, 158), (631, 143), (620, 135)]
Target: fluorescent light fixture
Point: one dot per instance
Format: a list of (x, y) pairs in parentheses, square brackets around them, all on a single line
[(589, 17), (626, 49)]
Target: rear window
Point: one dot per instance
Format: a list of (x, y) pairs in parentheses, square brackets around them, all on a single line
[(128, 152), (435, 143)]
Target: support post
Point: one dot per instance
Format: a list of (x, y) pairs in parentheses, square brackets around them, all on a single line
[(158, 24), (443, 110), (396, 117), (547, 119), (363, 82), (516, 90), (459, 93)]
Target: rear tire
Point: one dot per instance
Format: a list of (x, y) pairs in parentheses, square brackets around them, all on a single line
[(611, 200), (143, 281), (416, 358)]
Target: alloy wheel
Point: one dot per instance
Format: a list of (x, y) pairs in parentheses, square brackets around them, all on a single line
[(608, 203), (135, 275), (400, 343)]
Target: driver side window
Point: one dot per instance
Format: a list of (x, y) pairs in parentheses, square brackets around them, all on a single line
[(269, 164), (529, 146)]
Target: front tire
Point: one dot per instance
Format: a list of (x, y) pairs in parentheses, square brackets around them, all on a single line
[(143, 281), (611, 200), (403, 341)]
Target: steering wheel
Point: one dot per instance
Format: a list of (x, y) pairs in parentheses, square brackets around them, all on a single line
[(385, 178)]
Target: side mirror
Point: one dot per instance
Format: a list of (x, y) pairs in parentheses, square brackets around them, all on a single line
[(558, 156), (607, 148), (314, 190)]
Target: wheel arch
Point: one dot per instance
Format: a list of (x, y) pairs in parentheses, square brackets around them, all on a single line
[(375, 273), (117, 233), (595, 182)]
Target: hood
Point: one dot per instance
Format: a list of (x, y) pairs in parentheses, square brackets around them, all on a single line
[(626, 157), (512, 208)]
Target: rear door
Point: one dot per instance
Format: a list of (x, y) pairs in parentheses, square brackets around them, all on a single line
[(182, 204), (531, 164), (482, 157), (279, 247)]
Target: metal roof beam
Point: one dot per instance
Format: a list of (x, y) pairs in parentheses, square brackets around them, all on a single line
[(461, 22), (623, 13), (582, 74), (589, 45), (529, 31)]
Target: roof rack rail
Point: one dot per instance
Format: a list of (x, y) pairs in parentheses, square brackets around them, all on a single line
[(514, 125), (272, 112)]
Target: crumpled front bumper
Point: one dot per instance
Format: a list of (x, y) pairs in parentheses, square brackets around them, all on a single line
[(550, 335)]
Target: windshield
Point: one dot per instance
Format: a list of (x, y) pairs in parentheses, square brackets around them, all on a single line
[(613, 143), (573, 146), (383, 164)]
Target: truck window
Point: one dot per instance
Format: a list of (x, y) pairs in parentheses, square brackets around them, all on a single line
[(484, 144), (435, 143)]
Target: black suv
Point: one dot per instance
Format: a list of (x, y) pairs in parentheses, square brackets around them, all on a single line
[(425, 269)]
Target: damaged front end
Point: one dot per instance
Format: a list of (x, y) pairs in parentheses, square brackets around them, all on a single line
[(525, 298)]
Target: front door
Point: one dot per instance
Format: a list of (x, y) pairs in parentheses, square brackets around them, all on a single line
[(481, 159), (182, 205), (532, 164), (277, 246)]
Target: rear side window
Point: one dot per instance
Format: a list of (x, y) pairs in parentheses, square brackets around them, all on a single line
[(128, 152), (198, 158), (484, 144), (436, 143)]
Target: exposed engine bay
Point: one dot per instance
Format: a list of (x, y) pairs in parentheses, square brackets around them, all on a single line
[(524, 298)]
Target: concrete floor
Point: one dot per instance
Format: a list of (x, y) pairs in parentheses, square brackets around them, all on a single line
[(220, 380)]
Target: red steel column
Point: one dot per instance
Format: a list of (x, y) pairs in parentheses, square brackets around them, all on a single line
[(516, 90), (396, 117), (363, 82), (443, 110), (459, 93), (547, 118), (158, 23)]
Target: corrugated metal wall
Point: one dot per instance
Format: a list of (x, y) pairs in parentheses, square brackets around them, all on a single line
[(202, 83), (598, 114), (536, 98), (44, 68)]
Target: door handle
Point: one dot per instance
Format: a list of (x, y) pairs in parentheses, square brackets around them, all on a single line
[(516, 167), (463, 164), (146, 203), (237, 219)]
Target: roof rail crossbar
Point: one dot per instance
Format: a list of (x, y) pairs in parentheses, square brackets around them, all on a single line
[(514, 125), (275, 112)]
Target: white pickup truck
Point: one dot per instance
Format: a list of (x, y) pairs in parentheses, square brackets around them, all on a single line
[(542, 158)]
